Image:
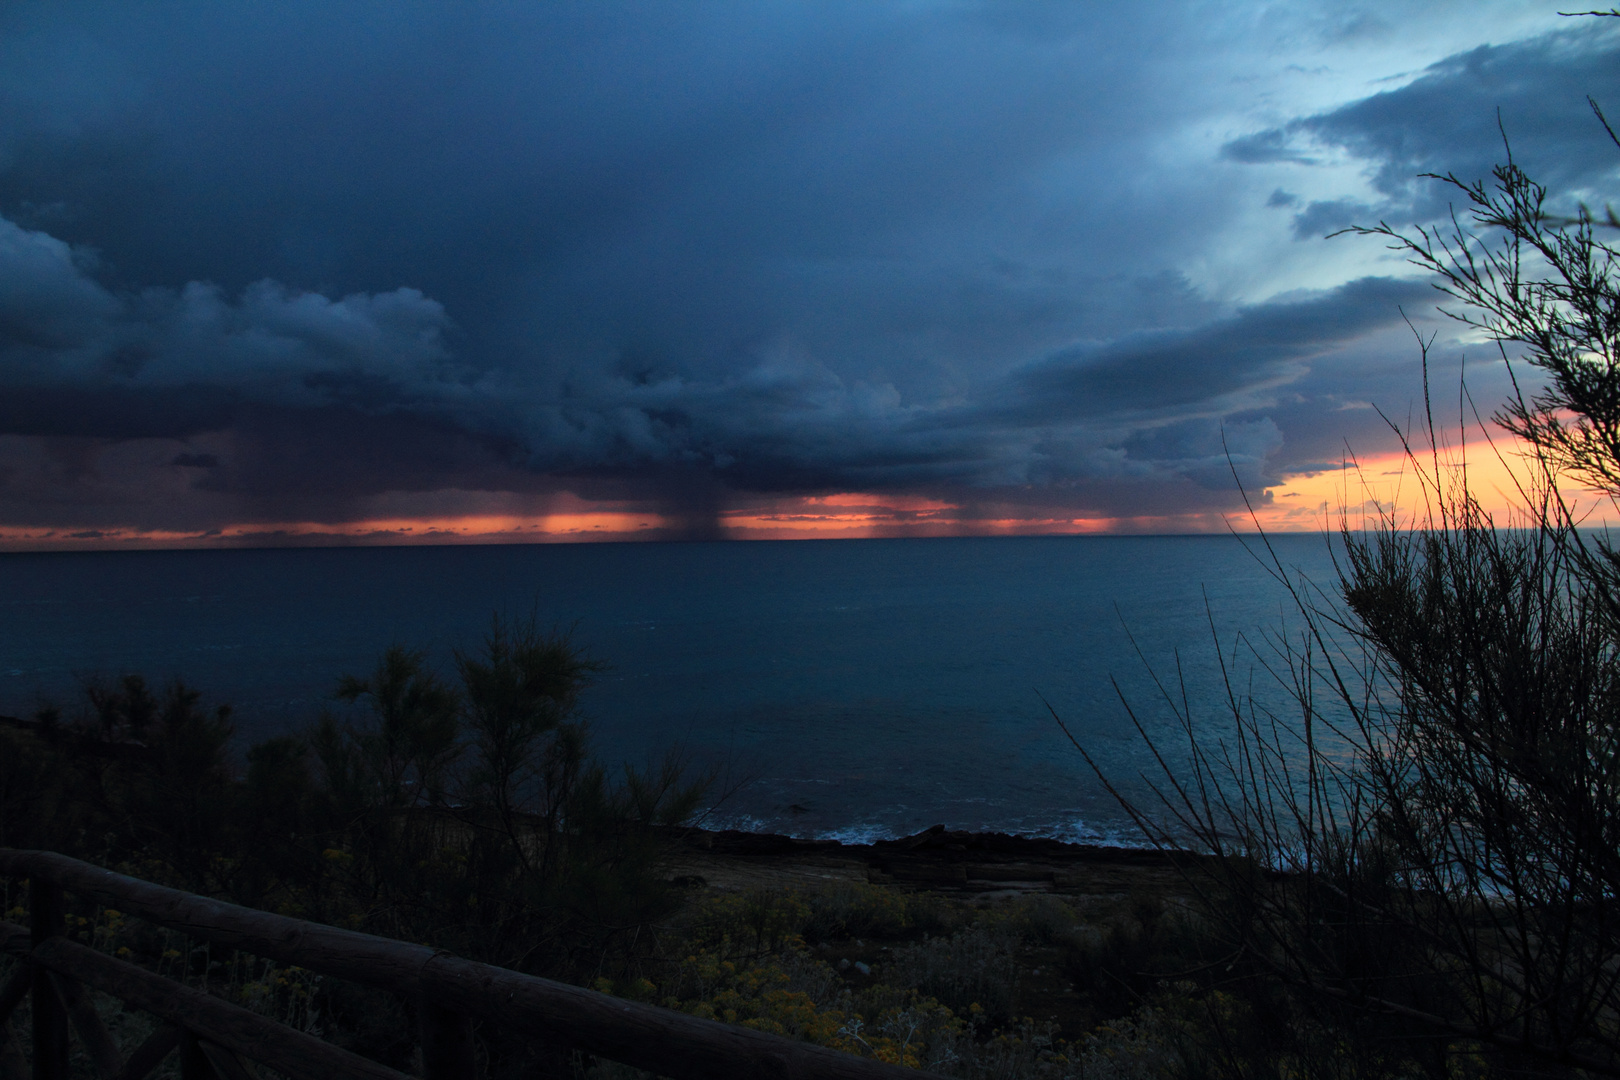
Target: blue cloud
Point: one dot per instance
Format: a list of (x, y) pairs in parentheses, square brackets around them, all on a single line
[(1453, 119)]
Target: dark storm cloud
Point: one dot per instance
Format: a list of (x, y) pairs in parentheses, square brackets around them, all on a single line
[(330, 396), (1168, 372), (316, 252), (686, 181), (789, 424), (78, 361), (1446, 121)]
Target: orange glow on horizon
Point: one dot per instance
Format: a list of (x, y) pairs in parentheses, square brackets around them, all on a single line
[(460, 529), (1307, 502), (916, 504), (1498, 473)]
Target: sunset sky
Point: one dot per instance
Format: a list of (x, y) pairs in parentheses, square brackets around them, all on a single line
[(410, 272)]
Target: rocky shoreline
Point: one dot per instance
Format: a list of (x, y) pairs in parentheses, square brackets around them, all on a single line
[(974, 865)]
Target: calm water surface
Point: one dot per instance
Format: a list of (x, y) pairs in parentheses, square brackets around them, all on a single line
[(869, 687)]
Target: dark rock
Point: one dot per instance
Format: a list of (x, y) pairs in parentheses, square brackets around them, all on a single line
[(922, 839)]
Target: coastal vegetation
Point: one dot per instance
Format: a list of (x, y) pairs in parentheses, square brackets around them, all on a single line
[(1420, 854), (471, 815)]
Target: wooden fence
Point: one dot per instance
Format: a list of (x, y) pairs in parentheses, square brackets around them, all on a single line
[(215, 1037)]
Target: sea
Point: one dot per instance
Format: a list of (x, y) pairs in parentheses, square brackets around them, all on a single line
[(848, 689)]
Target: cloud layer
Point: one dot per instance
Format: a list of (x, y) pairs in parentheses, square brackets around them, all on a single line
[(275, 265), (1462, 115)]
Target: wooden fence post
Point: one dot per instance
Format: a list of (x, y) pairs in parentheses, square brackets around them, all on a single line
[(448, 990), (447, 1042), (194, 1064), (50, 1014)]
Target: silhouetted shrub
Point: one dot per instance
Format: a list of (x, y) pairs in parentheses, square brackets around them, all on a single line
[(1426, 853), (468, 814)]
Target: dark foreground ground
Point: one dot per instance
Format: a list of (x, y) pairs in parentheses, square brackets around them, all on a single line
[(977, 875), (974, 867)]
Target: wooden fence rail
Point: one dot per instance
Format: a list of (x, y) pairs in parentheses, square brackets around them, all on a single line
[(215, 1037)]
